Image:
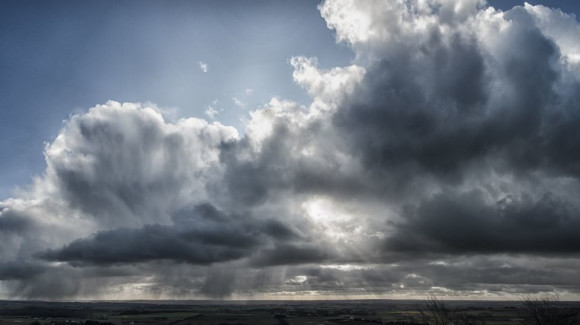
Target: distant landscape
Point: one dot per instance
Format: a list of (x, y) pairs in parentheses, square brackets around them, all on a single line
[(429, 311)]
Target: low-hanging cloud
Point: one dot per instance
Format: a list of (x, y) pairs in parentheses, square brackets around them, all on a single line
[(201, 235), (466, 224), (446, 157)]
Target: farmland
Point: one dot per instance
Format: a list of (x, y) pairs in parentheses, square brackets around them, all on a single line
[(262, 312)]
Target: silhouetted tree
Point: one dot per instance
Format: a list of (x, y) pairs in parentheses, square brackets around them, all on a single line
[(436, 312), (547, 310)]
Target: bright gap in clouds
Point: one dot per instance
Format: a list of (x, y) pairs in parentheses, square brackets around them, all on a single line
[(443, 159)]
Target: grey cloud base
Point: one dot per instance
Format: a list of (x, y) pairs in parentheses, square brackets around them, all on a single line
[(444, 160)]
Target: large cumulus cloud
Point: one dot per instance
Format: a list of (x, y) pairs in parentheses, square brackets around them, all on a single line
[(445, 158)]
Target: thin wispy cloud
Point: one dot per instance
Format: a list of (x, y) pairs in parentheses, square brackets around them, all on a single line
[(238, 102), (212, 111)]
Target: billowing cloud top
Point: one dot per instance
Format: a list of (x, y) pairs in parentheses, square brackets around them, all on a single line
[(445, 159)]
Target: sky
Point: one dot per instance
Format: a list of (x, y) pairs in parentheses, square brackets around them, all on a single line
[(289, 149)]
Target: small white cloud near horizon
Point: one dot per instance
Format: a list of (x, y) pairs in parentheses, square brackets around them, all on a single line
[(248, 91), (203, 66)]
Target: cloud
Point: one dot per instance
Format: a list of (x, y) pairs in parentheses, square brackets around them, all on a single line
[(203, 66), (466, 224), (561, 29), (445, 158), (11, 222), (19, 270), (202, 235), (123, 165), (152, 242), (212, 111), (238, 103), (286, 254)]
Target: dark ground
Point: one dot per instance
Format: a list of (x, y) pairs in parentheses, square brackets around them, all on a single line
[(269, 312)]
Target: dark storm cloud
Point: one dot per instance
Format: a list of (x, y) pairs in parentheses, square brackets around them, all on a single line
[(279, 168), (466, 224), (57, 282), (291, 254), (437, 112), (250, 181), (152, 242), (19, 270), (469, 273), (203, 243), (461, 277), (11, 222), (202, 235), (219, 283)]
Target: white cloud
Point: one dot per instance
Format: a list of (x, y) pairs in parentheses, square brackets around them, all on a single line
[(212, 111), (203, 66), (238, 102), (327, 87), (563, 29)]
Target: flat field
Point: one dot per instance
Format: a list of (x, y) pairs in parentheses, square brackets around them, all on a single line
[(268, 312)]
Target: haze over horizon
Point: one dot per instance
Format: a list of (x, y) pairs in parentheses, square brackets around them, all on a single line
[(289, 149)]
